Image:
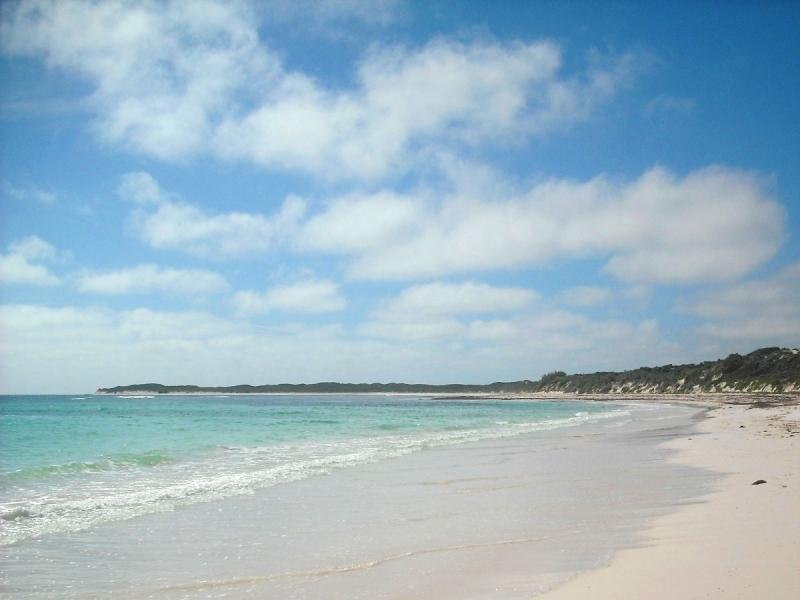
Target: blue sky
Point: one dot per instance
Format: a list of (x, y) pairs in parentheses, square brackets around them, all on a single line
[(231, 192)]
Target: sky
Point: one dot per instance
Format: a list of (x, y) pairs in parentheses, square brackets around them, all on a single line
[(296, 191)]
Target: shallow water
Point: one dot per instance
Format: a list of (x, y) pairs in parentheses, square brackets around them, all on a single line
[(506, 517), (71, 463)]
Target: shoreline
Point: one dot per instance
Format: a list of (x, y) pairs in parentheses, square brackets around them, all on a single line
[(740, 540), (657, 506), (502, 518), (711, 398)]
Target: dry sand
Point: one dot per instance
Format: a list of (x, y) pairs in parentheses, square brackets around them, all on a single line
[(741, 541)]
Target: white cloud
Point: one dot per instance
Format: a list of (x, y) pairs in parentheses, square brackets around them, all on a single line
[(585, 295), (20, 264), (32, 193), (764, 311), (311, 296), (142, 188), (426, 330), (436, 311), (184, 227), (174, 79), (162, 72), (495, 330), (638, 293), (438, 298), (34, 323), (84, 348), (474, 93), (177, 225), (177, 328), (540, 331), (714, 224), (103, 337), (360, 223), (33, 248), (442, 329), (153, 278)]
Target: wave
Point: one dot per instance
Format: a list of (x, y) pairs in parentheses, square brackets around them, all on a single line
[(15, 514), (124, 493), (111, 463)]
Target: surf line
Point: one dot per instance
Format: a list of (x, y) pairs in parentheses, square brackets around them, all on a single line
[(324, 572)]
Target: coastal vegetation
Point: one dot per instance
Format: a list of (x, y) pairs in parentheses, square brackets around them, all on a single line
[(764, 370)]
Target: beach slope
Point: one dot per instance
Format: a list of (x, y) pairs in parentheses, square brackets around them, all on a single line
[(741, 541)]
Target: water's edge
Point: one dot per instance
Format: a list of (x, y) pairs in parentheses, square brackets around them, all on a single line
[(499, 518)]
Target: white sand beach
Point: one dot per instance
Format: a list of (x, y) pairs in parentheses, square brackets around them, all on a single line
[(742, 540)]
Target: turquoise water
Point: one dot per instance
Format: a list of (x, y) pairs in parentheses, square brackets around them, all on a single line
[(73, 462)]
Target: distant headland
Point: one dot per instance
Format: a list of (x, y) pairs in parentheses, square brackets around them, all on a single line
[(767, 370)]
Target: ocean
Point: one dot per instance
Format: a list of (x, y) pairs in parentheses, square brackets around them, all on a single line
[(325, 497), (68, 463)]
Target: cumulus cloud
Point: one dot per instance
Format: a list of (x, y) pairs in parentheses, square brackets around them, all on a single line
[(182, 226), (142, 188), (714, 224), (144, 279), (441, 310), (162, 72), (424, 330), (21, 264), (165, 223), (311, 296), (532, 331), (174, 79), (756, 312), (360, 223), (441, 298), (474, 93), (640, 294), (586, 295), (442, 329)]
